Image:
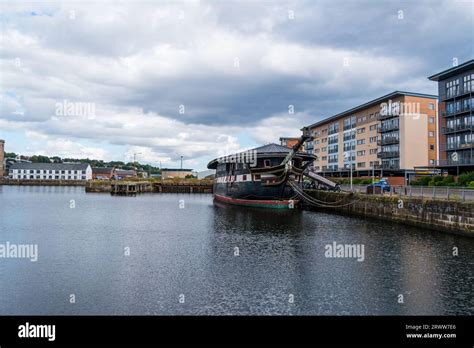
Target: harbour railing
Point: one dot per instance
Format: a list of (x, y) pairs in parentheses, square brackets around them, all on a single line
[(452, 193)]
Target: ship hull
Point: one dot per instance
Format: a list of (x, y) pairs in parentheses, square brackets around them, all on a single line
[(257, 203), (253, 194)]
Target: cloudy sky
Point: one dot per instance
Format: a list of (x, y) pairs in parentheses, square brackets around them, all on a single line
[(198, 79)]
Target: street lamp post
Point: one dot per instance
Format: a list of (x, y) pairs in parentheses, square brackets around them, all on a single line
[(350, 164), (134, 158)]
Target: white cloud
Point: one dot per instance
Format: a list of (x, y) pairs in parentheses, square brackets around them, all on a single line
[(138, 61)]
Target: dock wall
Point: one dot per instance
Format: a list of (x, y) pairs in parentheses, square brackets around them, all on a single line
[(441, 215)]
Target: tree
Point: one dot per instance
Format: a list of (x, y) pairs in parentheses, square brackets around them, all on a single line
[(40, 159)]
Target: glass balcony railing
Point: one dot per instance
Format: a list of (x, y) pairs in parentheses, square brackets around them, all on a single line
[(456, 146), (457, 128), (388, 128), (460, 161), (388, 154), (388, 141)]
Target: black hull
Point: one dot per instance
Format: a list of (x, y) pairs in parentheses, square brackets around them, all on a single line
[(253, 190)]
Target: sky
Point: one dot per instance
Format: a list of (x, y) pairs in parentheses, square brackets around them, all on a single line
[(201, 79)]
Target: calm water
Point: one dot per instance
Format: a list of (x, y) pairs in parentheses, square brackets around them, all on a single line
[(190, 252)]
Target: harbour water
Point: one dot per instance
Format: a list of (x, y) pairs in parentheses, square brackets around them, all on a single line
[(181, 254)]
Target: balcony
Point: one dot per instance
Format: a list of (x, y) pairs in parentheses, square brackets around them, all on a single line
[(458, 128), (384, 117), (456, 146), (388, 141), (459, 162), (458, 95), (388, 154), (388, 128), (458, 109)]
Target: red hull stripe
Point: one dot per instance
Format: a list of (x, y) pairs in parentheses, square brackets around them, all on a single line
[(255, 202)]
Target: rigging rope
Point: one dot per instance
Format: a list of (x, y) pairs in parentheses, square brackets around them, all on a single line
[(324, 204)]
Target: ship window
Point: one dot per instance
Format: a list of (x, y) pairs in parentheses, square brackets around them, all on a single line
[(257, 176), (267, 163), (244, 177)]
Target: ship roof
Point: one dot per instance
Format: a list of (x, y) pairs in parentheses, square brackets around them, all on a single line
[(269, 150)]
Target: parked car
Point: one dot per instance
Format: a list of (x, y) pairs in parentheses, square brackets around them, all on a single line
[(383, 184)]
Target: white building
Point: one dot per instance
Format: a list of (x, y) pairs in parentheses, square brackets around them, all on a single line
[(50, 171)]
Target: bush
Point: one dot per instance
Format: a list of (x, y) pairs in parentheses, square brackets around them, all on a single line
[(466, 178), (438, 180), (422, 181)]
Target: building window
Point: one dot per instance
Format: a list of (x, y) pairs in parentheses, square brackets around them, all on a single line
[(468, 83), (431, 134), (361, 153), (361, 164), (372, 139), (373, 127), (432, 161), (333, 128), (361, 130), (431, 147), (373, 151), (431, 120), (431, 106), (360, 141), (452, 88), (266, 163)]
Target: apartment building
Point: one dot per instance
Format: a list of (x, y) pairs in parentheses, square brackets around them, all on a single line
[(388, 135), (50, 171), (456, 117)]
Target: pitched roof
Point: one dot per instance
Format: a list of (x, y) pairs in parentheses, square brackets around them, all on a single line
[(50, 166), (372, 103), (125, 171), (453, 71), (100, 170), (270, 150)]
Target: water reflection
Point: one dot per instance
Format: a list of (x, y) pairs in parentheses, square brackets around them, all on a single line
[(224, 259)]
